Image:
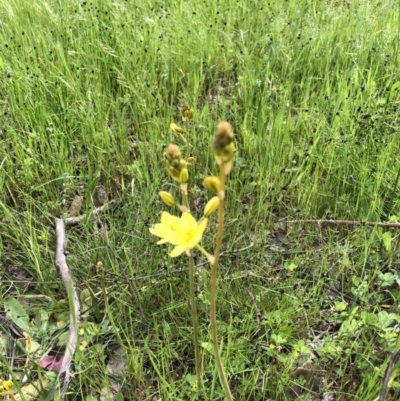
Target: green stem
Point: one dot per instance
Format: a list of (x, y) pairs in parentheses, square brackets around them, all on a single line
[(193, 305), (187, 139), (394, 190), (213, 290)]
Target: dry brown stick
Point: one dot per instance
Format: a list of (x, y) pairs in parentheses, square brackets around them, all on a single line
[(78, 219), (118, 260), (74, 308), (259, 315), (345, 223)]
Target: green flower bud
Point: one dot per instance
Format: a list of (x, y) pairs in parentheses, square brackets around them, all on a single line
[(183, 164), (184, 109), (167, 198), (212, 183), (184, 176), (212, 206), (175, 128)]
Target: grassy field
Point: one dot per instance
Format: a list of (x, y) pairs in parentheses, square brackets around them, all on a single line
[(88, 90)]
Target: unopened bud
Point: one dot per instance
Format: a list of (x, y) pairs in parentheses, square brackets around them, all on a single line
[(167, 198), (212, 183), (175, 128), (212, 206), (224, 147), (183, 164), (184, 109), (184, 176), (100, 267), (173, 172), (223, 135), (172, 153)]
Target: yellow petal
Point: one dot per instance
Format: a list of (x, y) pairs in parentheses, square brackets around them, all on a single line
[(8, 385), (188, 220), (174, 238), (202, 226), (178, 250), (159, 230), (193, 241), (166, 217)]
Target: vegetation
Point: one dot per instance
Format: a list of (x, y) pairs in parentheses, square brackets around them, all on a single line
[(88, 90)]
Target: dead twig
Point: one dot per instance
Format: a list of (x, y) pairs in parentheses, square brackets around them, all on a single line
[(345, 223), (73, 299), (259, 315), (78, 219), (74, 308)]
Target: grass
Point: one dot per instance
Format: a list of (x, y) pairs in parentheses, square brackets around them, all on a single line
[(87, 92)]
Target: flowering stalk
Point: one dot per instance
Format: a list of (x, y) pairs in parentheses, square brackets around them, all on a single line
[(185, 233), (193, 305), (213, 289), (177, 168), (187, 139), (224, 151), (187, 115)]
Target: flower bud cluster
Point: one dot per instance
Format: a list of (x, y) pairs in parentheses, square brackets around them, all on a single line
[(224, 146), (186, 112), (176, 166)]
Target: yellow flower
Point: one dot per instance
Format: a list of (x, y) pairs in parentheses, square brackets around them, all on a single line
[(8, 385), (184, 232), (212, 206)]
